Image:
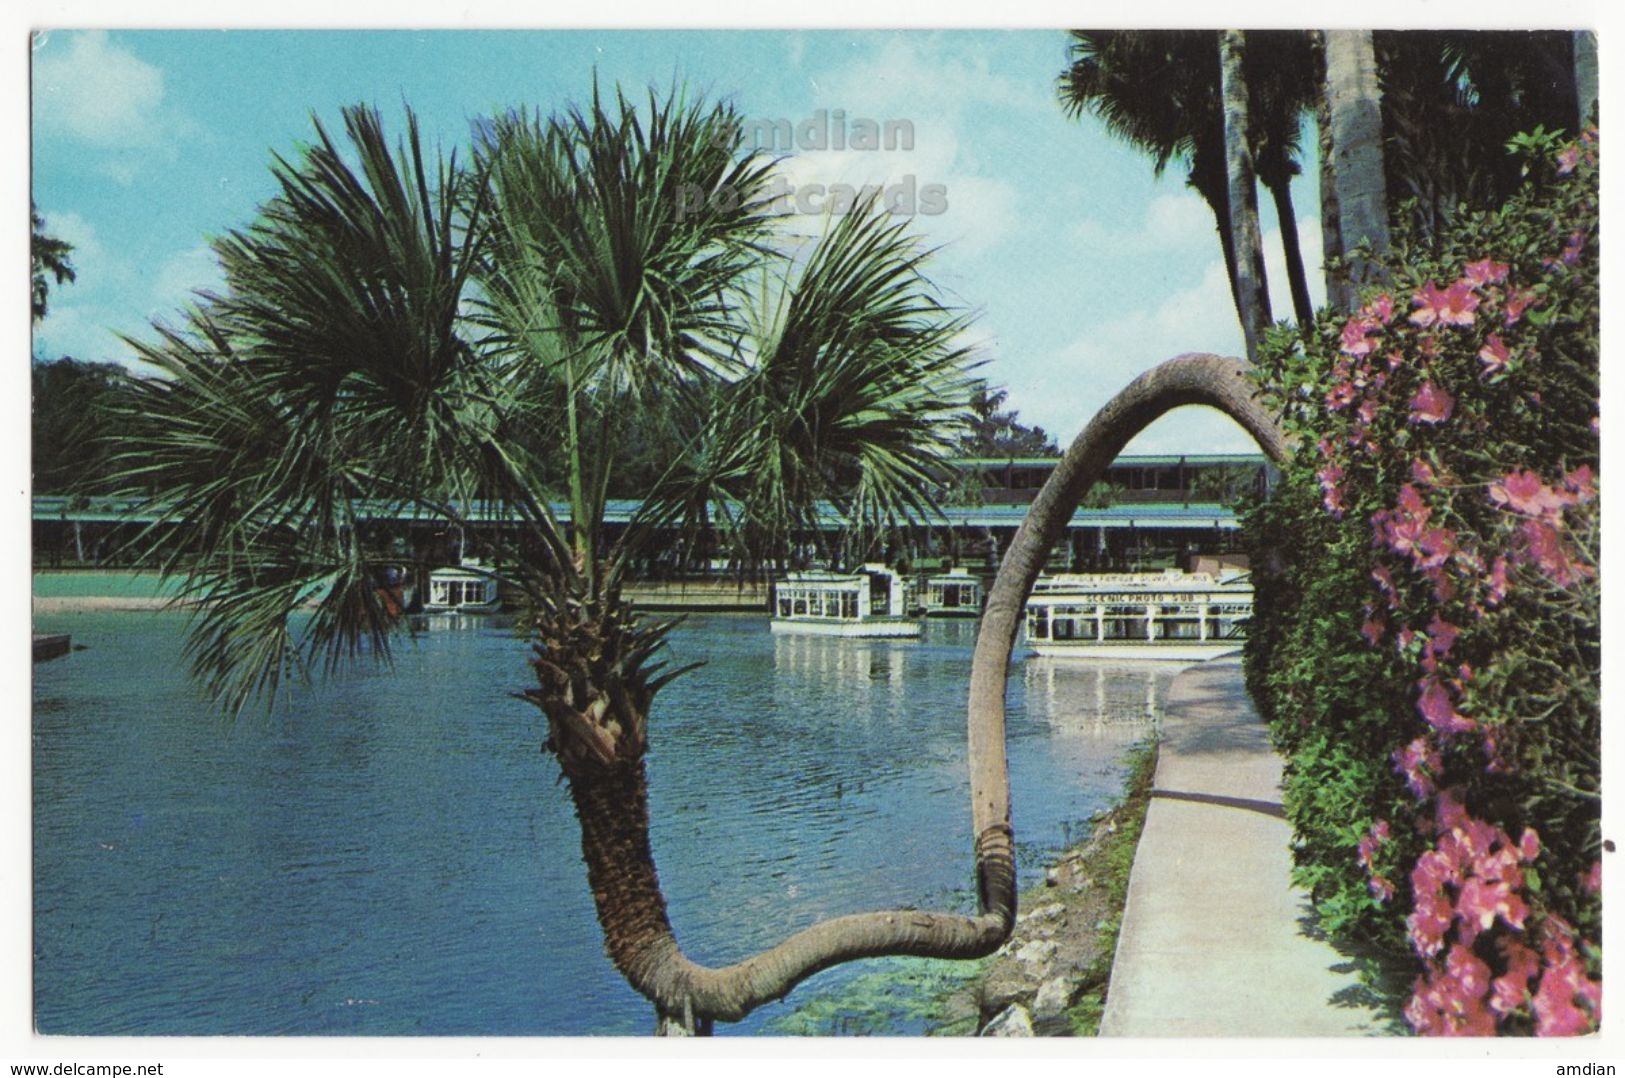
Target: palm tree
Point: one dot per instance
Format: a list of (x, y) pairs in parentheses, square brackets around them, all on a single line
[(1353, 105), (1281, 70), (395, 334), (1243, 191), (1160, 91)]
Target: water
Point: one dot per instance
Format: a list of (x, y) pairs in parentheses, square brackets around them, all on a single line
[(390, 852)]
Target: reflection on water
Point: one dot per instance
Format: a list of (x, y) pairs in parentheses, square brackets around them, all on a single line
[(390, 852), (847, 664), (1111, 701)]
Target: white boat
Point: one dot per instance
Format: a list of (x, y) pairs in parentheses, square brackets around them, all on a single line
[(1172, 615), (462, 589), (872, 602), (954, 594)]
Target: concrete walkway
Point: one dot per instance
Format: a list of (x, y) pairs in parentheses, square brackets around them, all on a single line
[(1215, 940)]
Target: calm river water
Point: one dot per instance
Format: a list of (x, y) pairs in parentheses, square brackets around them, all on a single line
[(389, 852)]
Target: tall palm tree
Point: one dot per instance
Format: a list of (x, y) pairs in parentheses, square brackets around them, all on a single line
[(1243, 191), (1353, 105), (1160, 90), (394, 333), (1281, 68)]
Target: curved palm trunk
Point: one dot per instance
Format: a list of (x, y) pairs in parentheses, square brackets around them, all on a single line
[(595, 686), (1219, 382), (595, 689), (1354, 105), (1252, 292)]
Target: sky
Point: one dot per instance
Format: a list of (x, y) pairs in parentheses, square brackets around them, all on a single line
[(1083, 269)]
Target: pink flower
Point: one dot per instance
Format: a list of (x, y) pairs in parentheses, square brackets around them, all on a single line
[(1482, 901), (1567, 158), (1571, 253), (1518, 301), (1563, 985), (1591, 882), (1436, 545), (1356, 337), (1367, 411), (1418, 762), (1453, 306), (1340, 396), (1431, 404), (1523, 492), (1581, 483), (1510, 991), (1542, 545), (1380, 308), (1332, 496), (1498, 583), (1494, 355), (1372, 630), (1528, 845), (1422, 473), (1485, 271), (1439, 710), (1441, 636)]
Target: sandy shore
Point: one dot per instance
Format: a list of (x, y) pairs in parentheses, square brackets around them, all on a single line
[(76, 604)]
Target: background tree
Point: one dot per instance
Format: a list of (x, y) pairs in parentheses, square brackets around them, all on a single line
[(997, 433), (398, 331), (47, 256), (78, 417)]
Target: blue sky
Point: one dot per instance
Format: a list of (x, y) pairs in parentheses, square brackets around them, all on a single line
[(1083, 268)]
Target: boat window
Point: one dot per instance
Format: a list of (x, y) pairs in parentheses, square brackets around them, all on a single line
[(784, 606), (800, 604), (1125, 623), (1038, 622)]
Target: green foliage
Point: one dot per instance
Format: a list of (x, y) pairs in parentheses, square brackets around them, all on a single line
[(78, 415), (901, 997), (1426, 641), (566, 319)]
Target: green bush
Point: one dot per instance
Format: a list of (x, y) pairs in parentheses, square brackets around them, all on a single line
[(1426, 645)]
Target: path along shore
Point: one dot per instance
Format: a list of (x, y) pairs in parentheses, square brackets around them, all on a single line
[(1215, 941)]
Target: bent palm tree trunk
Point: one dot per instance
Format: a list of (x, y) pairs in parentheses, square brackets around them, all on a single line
[(1219, 382), (595, 685)]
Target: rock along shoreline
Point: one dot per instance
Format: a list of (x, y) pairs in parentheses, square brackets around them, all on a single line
[(1050, 977)]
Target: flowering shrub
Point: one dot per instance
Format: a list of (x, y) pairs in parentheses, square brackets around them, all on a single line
[(1426, 644)]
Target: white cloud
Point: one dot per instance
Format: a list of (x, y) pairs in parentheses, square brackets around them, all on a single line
[(1175, 220), (930, 88), (1070, 386), (96, 91), (1310, 246), (181, 275)]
